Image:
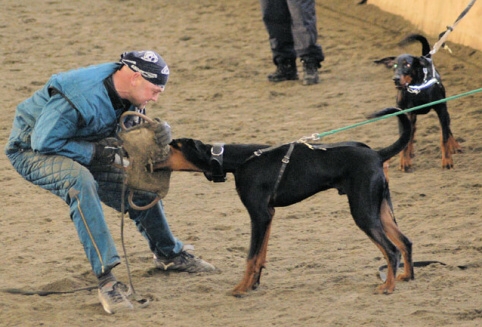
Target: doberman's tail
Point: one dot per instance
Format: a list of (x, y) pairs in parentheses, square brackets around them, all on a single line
[(405, 131), (420, 38)]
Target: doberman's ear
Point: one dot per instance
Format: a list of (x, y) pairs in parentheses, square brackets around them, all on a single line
[(387, 61), (423, 61), (198, 145)]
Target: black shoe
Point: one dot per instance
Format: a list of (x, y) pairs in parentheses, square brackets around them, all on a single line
[(310, 71), (285, 71)]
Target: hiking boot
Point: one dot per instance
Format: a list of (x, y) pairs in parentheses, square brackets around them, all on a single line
[(184, 262), (310, 71), (113, 297), (285, 71)]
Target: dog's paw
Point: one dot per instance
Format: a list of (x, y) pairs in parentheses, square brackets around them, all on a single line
[(406, 168), (404, 277), (447, 164), (385, 289)]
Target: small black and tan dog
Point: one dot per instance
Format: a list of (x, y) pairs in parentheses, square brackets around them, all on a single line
[(268, 177), (419, 83)]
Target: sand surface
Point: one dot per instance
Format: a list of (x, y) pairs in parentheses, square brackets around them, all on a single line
[(322, 269)]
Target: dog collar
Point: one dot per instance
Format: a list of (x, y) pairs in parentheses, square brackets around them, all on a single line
[(217, 172)]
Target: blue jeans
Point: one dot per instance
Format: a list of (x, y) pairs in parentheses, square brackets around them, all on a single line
[(83, 188)]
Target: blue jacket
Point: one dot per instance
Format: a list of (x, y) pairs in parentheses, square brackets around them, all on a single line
[(68, 122)]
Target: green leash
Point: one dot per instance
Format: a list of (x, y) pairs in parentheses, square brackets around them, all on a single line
[(318, 136)]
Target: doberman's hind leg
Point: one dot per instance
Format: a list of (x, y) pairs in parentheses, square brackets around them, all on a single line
[(367, 219), (386, 165), (256, 258), (391, 257), (406, 160), (403, 244)]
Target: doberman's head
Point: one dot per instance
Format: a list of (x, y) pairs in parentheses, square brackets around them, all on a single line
[(186, 155), (193, 155), (194, 151), (408, 69)]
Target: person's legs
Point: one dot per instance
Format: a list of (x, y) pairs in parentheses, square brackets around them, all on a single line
[(169, 252), (73, 183), (304, 30), (305, 37), (277, 20), (151, 223)]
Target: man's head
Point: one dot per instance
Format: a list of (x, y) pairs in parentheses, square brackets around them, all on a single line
[(149, 64), (142, 77)]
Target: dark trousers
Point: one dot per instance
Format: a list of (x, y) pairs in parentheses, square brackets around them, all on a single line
[(291, 26)]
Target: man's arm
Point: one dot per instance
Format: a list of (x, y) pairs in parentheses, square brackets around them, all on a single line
[(55, 132)]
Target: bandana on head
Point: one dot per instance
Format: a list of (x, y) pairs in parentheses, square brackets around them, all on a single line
[(149, 63)]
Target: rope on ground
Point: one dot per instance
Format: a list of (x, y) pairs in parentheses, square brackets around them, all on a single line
[(141, 301), (318, 136)]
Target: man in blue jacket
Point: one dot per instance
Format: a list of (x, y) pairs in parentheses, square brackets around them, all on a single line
[(63, 140)]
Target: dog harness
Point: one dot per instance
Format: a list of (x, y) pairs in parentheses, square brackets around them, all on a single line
[(284, 162), (415, 89)]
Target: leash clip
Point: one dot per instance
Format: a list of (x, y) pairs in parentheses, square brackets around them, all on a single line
[(312, 137)]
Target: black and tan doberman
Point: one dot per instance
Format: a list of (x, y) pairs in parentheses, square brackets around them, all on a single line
[(419, 83), (268, 177)]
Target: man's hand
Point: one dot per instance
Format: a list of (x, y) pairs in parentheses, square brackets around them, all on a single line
[(162, 133), (105, 150)]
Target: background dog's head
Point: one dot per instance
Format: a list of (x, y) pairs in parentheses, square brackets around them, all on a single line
[(408, 69)]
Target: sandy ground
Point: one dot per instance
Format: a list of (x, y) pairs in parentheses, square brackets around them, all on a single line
[(322, 270)]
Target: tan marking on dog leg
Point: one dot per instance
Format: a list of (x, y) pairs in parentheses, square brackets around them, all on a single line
[(245, 283), (406, 159), (396, 237), (389, 285), (448, 148), (254, 266), (453, 146), (386, 165), (409, 152), (447, 161), (261, 259)]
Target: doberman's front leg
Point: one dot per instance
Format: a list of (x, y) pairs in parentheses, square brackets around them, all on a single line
[(257, 256), (448, 144), (449, 147), (408, 153)]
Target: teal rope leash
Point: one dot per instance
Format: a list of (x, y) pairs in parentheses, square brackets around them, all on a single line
[(317, 136)]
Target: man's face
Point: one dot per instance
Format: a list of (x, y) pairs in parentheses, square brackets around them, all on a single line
[(144, 91)]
